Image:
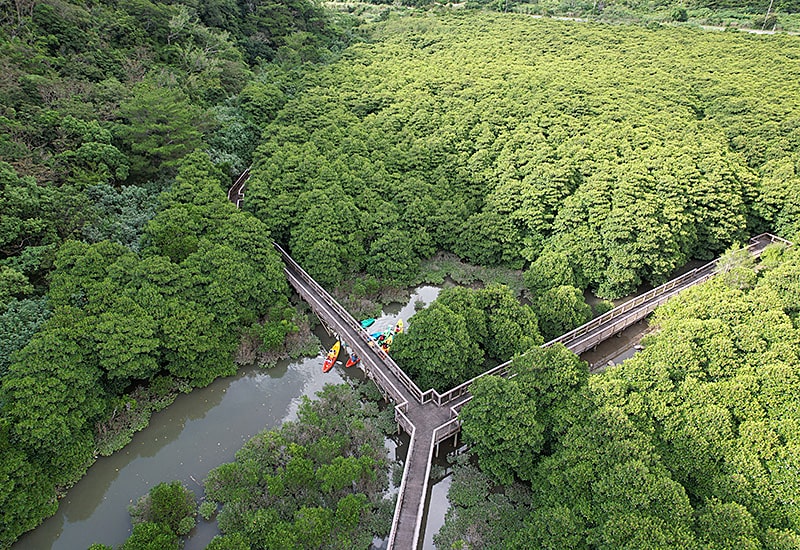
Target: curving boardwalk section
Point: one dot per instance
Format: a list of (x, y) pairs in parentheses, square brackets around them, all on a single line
[(430, 417), (236, 192)]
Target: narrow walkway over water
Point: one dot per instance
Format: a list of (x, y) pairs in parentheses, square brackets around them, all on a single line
[(430, 417)]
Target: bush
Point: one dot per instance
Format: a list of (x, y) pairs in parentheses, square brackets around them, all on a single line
[(603, 306), (151, 536), (207, 509), (186, 525), (679, 14), (168, 503)]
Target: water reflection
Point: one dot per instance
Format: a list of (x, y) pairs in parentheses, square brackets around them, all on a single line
[(394, 311), (436, 503), (437, 509), (196, 433)]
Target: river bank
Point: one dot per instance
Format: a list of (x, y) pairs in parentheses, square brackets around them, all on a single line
[(197, 432)]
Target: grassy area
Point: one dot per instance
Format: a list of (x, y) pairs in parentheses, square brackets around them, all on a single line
[(445, 266)]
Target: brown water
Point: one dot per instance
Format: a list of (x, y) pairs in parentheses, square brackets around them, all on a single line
[(204, 429), (198, 432)]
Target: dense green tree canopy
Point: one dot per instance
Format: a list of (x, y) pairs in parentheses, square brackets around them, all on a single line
[(691, 443), (103, 106), (449, 342), (617, 153), (121, 318), (591, 156)]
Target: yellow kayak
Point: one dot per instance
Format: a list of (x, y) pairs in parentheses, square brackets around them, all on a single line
[(331, 358)]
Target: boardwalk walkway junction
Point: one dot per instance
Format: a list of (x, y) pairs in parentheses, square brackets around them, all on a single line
[(430, 417)]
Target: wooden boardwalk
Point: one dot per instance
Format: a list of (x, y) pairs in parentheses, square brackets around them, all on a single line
[(601, 328), (430, 417), (419, 420), (236, 191)]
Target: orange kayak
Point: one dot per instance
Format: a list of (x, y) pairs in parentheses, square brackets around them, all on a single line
[(352, 358)]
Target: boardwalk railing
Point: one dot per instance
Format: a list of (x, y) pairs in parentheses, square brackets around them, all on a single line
[(390, 365), (373, 364), (577, 340), (235, 193), (382, 380), (573, 339), (702, 273), (411, 431)]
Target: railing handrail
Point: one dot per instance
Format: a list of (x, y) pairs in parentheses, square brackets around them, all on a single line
[(571, 339), (650, 294), (621, 315), (660, 294), (403, 481), (397, 395), (404, 379)]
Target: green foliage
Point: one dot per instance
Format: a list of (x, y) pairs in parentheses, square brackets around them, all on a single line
[(577, 142), (391, 257), (513, 441), (169, 504), (235, 541), (13, 284), (53, 396), (507, 440), (317, 482), (560, 309), (26, 489), (121, 318), (151, 536), (236, 137), (27, 225), (447, 343), (160, 126), (600, 181), (679, 14), (94, 98), (119, 215), (437, 351), (207, 509), (549, 270), (691, 443), (484, 513), (108, 94)]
